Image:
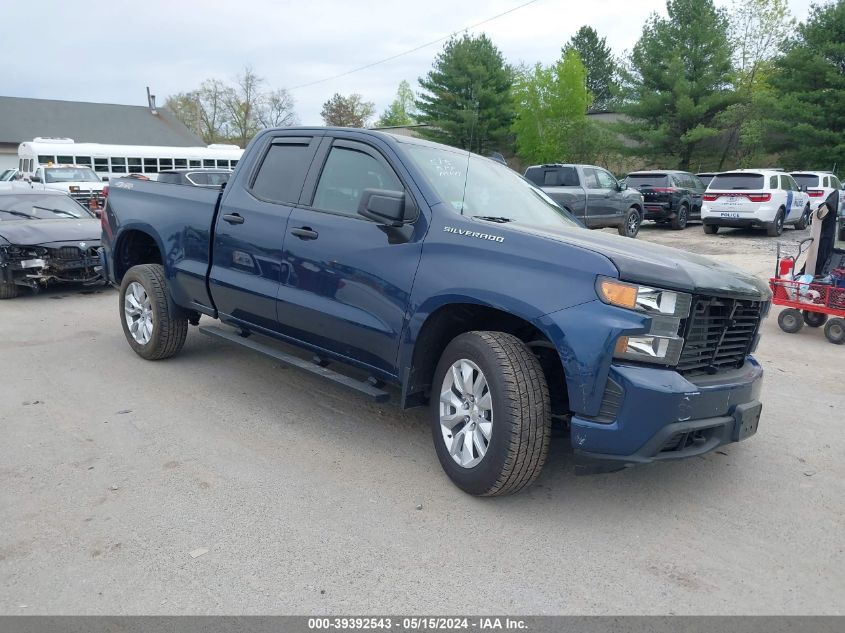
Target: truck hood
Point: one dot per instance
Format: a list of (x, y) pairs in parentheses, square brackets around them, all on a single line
[(44, 232), (661, 266)]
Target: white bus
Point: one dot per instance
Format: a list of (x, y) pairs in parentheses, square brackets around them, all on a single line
[(115, 161)]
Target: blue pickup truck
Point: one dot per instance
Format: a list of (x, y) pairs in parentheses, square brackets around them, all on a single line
[(395, 261)]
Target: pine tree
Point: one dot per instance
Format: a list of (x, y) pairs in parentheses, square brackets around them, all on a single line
[(678, 80), (599, 63), (466, 98)]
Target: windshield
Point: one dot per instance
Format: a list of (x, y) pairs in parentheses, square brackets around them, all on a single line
[(636, 181), (70, 174), (485, 189), (806, 180), (737, 181), (40, 206)]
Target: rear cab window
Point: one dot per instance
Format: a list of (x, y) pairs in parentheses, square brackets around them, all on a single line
[(283, 169), (565, 176)]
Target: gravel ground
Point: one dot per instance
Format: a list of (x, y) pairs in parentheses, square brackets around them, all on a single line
[(220, 482)]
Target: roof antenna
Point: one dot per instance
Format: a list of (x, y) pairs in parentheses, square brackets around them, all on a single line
[(151, 102)]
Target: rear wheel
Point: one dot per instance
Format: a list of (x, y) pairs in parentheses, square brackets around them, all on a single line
[(790, 320), (711, 229), (681, 218), (490, 413), (152, 328), (775, 228), (835, 331), (8, 291), (814, 319), (631, 225)]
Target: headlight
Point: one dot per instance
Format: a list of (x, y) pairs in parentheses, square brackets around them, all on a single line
[(661, 344), (643, 298)]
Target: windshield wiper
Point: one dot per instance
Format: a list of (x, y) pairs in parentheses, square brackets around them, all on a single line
[(35, 206), (493, 218), (20, 213)]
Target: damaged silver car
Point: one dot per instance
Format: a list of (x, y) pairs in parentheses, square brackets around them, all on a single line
[(45, 237)]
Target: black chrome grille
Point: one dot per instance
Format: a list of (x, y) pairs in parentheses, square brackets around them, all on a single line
[(718, 334)]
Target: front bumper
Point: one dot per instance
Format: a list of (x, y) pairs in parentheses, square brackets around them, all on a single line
[(661, 415)]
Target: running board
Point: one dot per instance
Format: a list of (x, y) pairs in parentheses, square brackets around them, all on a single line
[(364, 387)]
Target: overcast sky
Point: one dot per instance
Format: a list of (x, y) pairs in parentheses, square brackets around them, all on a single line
[(109, 51)]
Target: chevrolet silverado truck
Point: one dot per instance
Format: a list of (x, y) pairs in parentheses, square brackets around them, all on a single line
[(443, 278), (592, 195)]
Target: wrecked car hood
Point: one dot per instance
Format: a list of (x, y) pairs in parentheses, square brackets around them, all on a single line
[(45, 232)]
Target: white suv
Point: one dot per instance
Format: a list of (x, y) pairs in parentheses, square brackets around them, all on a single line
[(764, 198), (820, 184)]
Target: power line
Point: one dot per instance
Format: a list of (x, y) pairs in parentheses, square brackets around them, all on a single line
[(412, 50)]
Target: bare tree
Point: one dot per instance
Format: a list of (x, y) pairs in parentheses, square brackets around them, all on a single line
[(218, 112), (243, 104), (277, 109), (351, 111)]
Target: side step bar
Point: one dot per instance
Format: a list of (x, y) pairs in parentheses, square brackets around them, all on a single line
[(364, 387)]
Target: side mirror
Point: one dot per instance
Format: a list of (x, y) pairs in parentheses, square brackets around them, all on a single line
[(383, 206), (35, 178), (621, 186)]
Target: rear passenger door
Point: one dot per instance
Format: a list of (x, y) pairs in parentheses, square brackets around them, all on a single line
[(250, 231), (347, 279)]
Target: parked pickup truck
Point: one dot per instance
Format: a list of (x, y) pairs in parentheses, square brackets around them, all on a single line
[(592, 195), (400, 262)]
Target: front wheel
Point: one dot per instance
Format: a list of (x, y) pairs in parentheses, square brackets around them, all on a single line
[(776, 227), (631, 225), (152, 328), (834, 330), (790, 320), (490, 413), (711, 229), (8, 291), (802, 223)]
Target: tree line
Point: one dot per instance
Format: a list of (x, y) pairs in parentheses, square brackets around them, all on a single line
[(704, 88)]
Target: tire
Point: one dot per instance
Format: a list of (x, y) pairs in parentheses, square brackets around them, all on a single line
[(711, 229), (776, 227), (631, 224), (8, 291), (679, 222), (834, 330), (519, 414), (804, 220), (790, 320), (814, 319), (167, 330)]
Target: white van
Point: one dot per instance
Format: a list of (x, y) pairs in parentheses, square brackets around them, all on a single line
[(761, 198)]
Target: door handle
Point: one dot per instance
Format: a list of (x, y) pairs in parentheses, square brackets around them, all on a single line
[(233, 218), (305, 233)]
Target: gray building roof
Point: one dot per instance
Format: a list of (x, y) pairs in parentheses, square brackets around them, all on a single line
[(23, 119)]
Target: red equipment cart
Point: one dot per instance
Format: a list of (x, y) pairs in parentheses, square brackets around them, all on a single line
[(808, 302)]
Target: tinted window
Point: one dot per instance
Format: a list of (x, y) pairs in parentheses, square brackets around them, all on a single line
[(43, 160), (198, 178), (773, 182), (705, 178), (591, 180), (345, 176), (171, 178), (606, 180), (834, 182), (637, 181), (806, 180), (282, 172), (737, 181)]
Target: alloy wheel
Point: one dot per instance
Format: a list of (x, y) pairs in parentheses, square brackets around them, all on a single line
[(466, 413), (138, 313)]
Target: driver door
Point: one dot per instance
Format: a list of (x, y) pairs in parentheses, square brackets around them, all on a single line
[(346, 280)]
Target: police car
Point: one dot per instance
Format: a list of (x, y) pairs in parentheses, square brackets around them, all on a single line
[(820, 184), (759, 198)]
